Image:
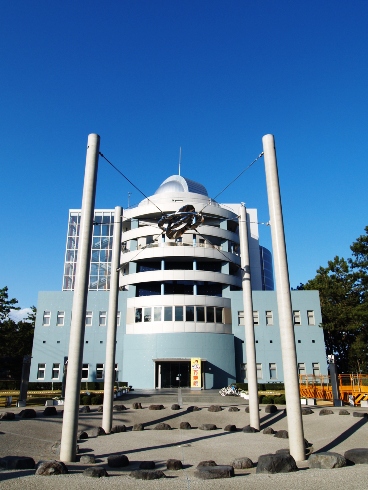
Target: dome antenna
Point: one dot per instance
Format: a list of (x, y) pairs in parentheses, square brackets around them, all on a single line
[(179, 158)]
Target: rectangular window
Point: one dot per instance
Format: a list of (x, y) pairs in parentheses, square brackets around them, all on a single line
[(99, 371), (219, 315), (256, 317), (41, 370), (138, 315), (311, 319), (315, 368), (269, 317), (118, 319), (88, 318), (189, 313), (273, 370), (297, 318), (46, 322), (200, 313), (60, 318), (55, 371), (147, 314), (178, 313), (168, 313), (301, 368), (102, 318), (243, 370), (259, 371), (157, 313), (241, 318), (85, 371), (210, 314)]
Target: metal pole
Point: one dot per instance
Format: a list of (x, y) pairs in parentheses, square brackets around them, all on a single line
[(289, 359), (75, 356), (111, 325), (248, 321)]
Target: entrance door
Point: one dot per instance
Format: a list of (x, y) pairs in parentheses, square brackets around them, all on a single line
[(174, 374)]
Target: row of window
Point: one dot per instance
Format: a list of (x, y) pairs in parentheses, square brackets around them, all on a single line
[(272, 370), (60, 318), (297, 319), (56, 371), (209, 314)]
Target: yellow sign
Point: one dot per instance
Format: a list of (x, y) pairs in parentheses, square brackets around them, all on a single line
[(195, 373)]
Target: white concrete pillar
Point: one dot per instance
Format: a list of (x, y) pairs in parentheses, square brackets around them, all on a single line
[(289, 359), (250, 345), (76, 340), (111, 325)]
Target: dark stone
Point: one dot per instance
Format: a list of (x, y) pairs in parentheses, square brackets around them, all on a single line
[(138, 427), (283, 451), (209, 462), (148, 474), (207, 427), (230, 428), (276, 463), (53, 467), (163, 426), (242, 463), (174, 464), (175, 406), (7, 416), (185, 425), (270, 409), (82, 434), (193, 409), (96, 431), (268, 430), (137, 406), (327, 460), (118, 428), (87, 459), (17, 463), (357, 455), (234, 409), (95, 472), (306, 411), (84, 409), (147, 465), (360, 414), (117, 461), (215, 408), (249, 429), (28, 413), (306, 443), (156, 407), (246, 409), (326, 411), (214, 472), (100, 409), (282, 434), (344, 412), (119, 408), (50, 411)]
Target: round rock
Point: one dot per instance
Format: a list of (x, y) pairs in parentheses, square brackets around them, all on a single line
[(326, 460), (269, 431), (174, 464), (95, 472), (249, 429), (307, 411), (357, 455), (115, 429), (215, 408), (156, 407), (185, 425), (326, 411), (276, 463), (209, 462), (28, 413), (282, 434), (138, 427), (242, 463), (233, 409), (50, 411), (119, 408), (344, 412), (87, 459), (117, 461), (148, 474), (49, 468), (193, 408), (162, 426), (137, 406), (7, 416), (84, 409), (230, 428), (17, 463), (214, 472), (207, 427), (175, 406), (270, 409)]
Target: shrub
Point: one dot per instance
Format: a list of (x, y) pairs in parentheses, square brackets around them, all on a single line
[(267, 400), (86, 400), (279, 400), (96, 400)]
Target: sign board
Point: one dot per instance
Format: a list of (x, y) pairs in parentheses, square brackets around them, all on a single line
[(195, 373)]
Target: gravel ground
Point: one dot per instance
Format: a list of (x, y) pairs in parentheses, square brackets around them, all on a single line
[(34, 437)]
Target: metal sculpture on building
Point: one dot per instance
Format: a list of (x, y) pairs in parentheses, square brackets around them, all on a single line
[(176, 224)]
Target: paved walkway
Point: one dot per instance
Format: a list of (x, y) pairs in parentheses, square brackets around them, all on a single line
[(34, 437)]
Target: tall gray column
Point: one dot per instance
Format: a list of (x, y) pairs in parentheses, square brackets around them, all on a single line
[(289, 359), (111, 324), (248, 320), (75, 356)]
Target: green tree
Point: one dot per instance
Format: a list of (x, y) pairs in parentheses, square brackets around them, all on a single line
[(6, 304), (342, 286)]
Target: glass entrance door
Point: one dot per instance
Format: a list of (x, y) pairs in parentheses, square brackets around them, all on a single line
[(174, 374)]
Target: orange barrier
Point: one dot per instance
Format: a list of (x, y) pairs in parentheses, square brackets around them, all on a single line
[(349, 385)]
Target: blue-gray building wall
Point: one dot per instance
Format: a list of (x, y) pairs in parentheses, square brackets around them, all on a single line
[(224, 353)]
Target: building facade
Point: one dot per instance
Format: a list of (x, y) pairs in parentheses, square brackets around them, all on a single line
[(180, 299)]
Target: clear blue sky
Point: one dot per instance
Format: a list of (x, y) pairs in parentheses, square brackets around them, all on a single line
[(210, 76)]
